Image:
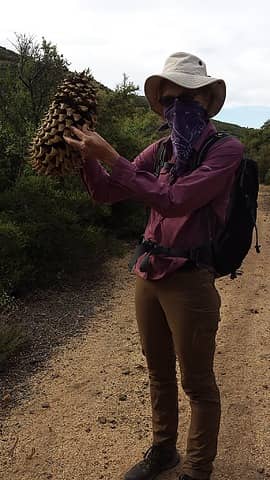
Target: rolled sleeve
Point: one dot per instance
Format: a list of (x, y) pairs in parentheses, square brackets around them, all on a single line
[(110, 188), (188, 193)]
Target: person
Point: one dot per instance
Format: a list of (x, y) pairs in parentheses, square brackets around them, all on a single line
[(177, 303)]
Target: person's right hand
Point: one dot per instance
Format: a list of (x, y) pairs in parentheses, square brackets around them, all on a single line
[(92, 146)]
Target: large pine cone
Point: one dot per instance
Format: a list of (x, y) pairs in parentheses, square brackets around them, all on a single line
[(74, 104)]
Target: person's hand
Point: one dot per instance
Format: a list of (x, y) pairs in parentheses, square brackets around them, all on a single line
[(92, 146)]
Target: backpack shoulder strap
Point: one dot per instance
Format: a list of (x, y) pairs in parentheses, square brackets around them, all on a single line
[(163, 154), (207, 145), (165, 151)]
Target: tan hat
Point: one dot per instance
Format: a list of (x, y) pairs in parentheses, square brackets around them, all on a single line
[(187, 71)]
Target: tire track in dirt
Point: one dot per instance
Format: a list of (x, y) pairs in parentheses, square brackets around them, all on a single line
[(87, 416)]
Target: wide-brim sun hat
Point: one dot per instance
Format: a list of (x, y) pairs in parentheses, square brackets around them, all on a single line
[(188, 71)]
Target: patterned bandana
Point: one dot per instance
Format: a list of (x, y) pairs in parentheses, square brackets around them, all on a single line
[(187, 120)]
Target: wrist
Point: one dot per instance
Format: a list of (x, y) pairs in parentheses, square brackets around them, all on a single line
[(111, 158)]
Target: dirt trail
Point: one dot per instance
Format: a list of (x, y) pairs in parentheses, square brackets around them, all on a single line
[(87, 413)]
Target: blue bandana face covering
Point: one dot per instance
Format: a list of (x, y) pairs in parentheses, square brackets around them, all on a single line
[(187, 120)]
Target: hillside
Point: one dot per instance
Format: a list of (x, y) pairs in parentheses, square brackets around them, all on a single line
[(9, 56), (231, 128)]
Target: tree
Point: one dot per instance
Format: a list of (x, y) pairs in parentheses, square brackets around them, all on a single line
[(40, 69), (30, 83), (124, 120), (26, 87), (266, 125)]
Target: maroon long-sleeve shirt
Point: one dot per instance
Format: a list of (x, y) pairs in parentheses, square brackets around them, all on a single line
[(183, 215)]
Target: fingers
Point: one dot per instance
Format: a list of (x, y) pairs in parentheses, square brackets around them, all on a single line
[(85, 128), (78, 132), (83, 132), (72, 142)]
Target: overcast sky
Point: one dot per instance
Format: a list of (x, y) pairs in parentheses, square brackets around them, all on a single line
[(135, 37)]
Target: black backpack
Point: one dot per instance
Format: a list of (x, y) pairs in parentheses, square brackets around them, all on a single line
[(226, 252), (233, 243)]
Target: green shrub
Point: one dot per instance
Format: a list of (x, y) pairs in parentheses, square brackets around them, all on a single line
[(12, 339), (15, 264), (7, 302), (128, 219), (46, 231), (267, 178)]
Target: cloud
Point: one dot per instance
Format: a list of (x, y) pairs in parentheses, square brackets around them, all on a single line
[(136, 37)]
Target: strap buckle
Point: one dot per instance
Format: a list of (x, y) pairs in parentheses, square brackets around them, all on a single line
[(149, 245)]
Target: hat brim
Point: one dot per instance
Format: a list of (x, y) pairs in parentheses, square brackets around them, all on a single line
[(185, 80)]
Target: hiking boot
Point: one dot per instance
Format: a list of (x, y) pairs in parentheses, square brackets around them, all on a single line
[(157, 459)]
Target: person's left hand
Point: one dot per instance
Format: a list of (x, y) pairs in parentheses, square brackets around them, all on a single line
[(92, 146)]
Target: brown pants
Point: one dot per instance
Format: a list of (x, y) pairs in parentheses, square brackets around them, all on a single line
[(179, 315)]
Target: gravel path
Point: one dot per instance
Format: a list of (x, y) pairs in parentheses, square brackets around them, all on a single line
[(84, 413)]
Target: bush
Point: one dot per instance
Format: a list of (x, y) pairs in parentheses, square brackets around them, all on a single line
[(10, 157), (45, 231), (15, 264), (12, 339), (7, 302), (128, 219), (267, 178)]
